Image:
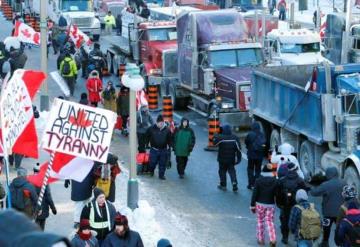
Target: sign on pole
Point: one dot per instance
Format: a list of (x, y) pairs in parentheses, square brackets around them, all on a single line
[(79, 130)]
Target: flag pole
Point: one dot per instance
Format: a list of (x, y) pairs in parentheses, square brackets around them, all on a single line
[(7, 172), (43, 187)]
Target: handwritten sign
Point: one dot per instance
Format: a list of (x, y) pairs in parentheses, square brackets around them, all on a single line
[(79, 130)]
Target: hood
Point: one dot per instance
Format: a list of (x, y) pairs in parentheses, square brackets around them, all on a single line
[(286, 149), (238, 74), (302, 58), (182, 120), (19, 182), (226, 130), (163, 45), (331, 172), (255, 126)]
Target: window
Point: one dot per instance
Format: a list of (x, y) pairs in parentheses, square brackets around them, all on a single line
[(236, 58), (300, 48), (162, 34), (76, 5)]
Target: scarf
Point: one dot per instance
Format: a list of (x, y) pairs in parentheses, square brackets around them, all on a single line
[(107, 213), (84, 236)]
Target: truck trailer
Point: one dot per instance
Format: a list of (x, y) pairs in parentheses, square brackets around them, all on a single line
[(314, 108)]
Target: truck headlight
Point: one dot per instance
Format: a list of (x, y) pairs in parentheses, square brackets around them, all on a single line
[(227, 105), (155, 71)]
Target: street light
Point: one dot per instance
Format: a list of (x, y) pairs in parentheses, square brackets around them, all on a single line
[(44, 97), (135, 82)]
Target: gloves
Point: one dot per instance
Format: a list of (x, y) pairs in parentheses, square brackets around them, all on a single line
[(54, 211), (67, 183)]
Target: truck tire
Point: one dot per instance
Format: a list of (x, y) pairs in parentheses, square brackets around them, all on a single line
[(307, 159), (275, 139), (351, 176)]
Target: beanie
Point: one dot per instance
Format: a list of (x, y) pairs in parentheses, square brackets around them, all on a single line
[(97, 192), (159, 118), (121, 220), (84, 224), (349, 191), (164, 243), (301, 195), (36, 168)]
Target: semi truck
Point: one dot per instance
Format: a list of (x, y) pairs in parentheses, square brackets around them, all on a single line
[(316, 109), (215, 59), (150, 44), (77, 12)]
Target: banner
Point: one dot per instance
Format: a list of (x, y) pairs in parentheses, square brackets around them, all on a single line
[(78, 37), (79, 130), (26, 33)]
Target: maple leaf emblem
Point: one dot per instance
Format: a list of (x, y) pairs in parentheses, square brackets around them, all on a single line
[(36, 38), (80, 120), (26, 33)]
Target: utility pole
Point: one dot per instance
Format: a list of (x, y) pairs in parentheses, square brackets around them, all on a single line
[(44, 97)]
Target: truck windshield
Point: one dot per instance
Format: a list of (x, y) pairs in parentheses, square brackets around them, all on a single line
[(236, 58), (300, 48), (76, 5), (162, 34), (244, 3)]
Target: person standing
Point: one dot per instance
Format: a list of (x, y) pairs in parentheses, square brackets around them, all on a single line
[(84, 59), (109, 97), (263, 204), (229, 155), (96, 59), (109, 23), (255, 145), (350, 195), (330, 191), (347, 234), (118, 25), (69, 71), (159, 137), (282, 10), (122, 107), (184, 142), (94, 87), (271, 6), (101, 215), (84, 237), (122, 236), (144, 121)]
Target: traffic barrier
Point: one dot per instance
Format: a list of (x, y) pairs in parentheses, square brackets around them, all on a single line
[(122, 69), (214, 128), (153, 97), (10, 13), (167, 108)]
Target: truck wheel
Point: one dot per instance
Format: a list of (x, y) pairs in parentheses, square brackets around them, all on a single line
[(274, 139), (351, 176), (307, 159)]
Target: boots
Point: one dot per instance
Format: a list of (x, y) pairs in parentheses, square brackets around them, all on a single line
[(235, 187), (272, 244)]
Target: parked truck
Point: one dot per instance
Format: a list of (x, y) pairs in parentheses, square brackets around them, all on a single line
[(151, 44), (215, 59), (315, 109)]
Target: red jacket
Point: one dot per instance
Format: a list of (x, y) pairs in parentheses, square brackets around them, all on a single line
[(282, 2), (94, 87)]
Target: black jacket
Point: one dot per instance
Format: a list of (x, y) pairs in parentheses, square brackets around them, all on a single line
[(47, 203), (17, 60), (229, 146), (264, 189), (159, 138), (254, 135), (131, 239), (82, 191)]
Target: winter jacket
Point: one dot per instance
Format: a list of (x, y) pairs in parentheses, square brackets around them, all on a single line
[(331, 192), (90, 212), (109, 20), (295, 218), (114, 171), (342, 232), (17, 60), (229, 146), (131, 239), (94, 87), (344, 207), (20, 183), (123, 104), (264, 189), (184, 140), (47, 203), (73, 68), (96, 57), (254, 135), (110, 104), (144, 120), (159, 138), (81, 191), (78, 242)]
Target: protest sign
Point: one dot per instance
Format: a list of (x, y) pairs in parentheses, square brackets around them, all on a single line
[(79, 130)]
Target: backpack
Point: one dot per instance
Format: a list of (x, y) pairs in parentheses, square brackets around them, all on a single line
[(66, 70), (288, 192), (354, 235), (258, 145), (310, 224), (17, 197)]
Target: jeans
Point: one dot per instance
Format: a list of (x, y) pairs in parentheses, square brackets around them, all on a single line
[(181, 162), (304, 243), (17, 158), (230, 168), (70, 81), (282, 15), (253, 170), (158, 156)]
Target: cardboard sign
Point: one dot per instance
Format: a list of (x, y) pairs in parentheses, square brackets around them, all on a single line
[(16, 109), (79, 130)]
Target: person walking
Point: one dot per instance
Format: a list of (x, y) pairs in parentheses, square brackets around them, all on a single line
[(331, 192), (263, 204), (347, 233), (122, 235), (159, 137), (184, 142), (84, 237), (118, 25), (69, 71), (94, 87), (109, 97), (143, 121), (110, 22), (282, 10), (96, 60), (286, 197), (255, 145), (101, 215), (122, 107), (229, 155), (350, 195), (304, 221), (271, 6), (84, 99), (84, 59)]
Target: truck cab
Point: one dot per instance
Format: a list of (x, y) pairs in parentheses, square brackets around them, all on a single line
[(294, 47)]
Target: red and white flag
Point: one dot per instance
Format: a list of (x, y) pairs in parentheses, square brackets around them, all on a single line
[(141, 99), (26, 33), (78, 37)]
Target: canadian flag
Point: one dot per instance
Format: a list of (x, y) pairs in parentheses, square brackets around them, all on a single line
[(64, 166), (322, 31), (141, 99), (78, 37), (26, 33)]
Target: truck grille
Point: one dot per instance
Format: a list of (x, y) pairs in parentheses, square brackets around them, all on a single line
[(170, 63), (82, 22)]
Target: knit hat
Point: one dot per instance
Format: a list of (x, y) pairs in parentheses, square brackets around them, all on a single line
[(97, 192), (159, 118), (164, 243), (21, 172), (121, 220), (84, 224), (349, 191), (301, 195)]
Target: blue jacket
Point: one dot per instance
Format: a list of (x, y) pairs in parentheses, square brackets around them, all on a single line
[(254, 135), (131, 239), (344, 228), (295, 217)]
